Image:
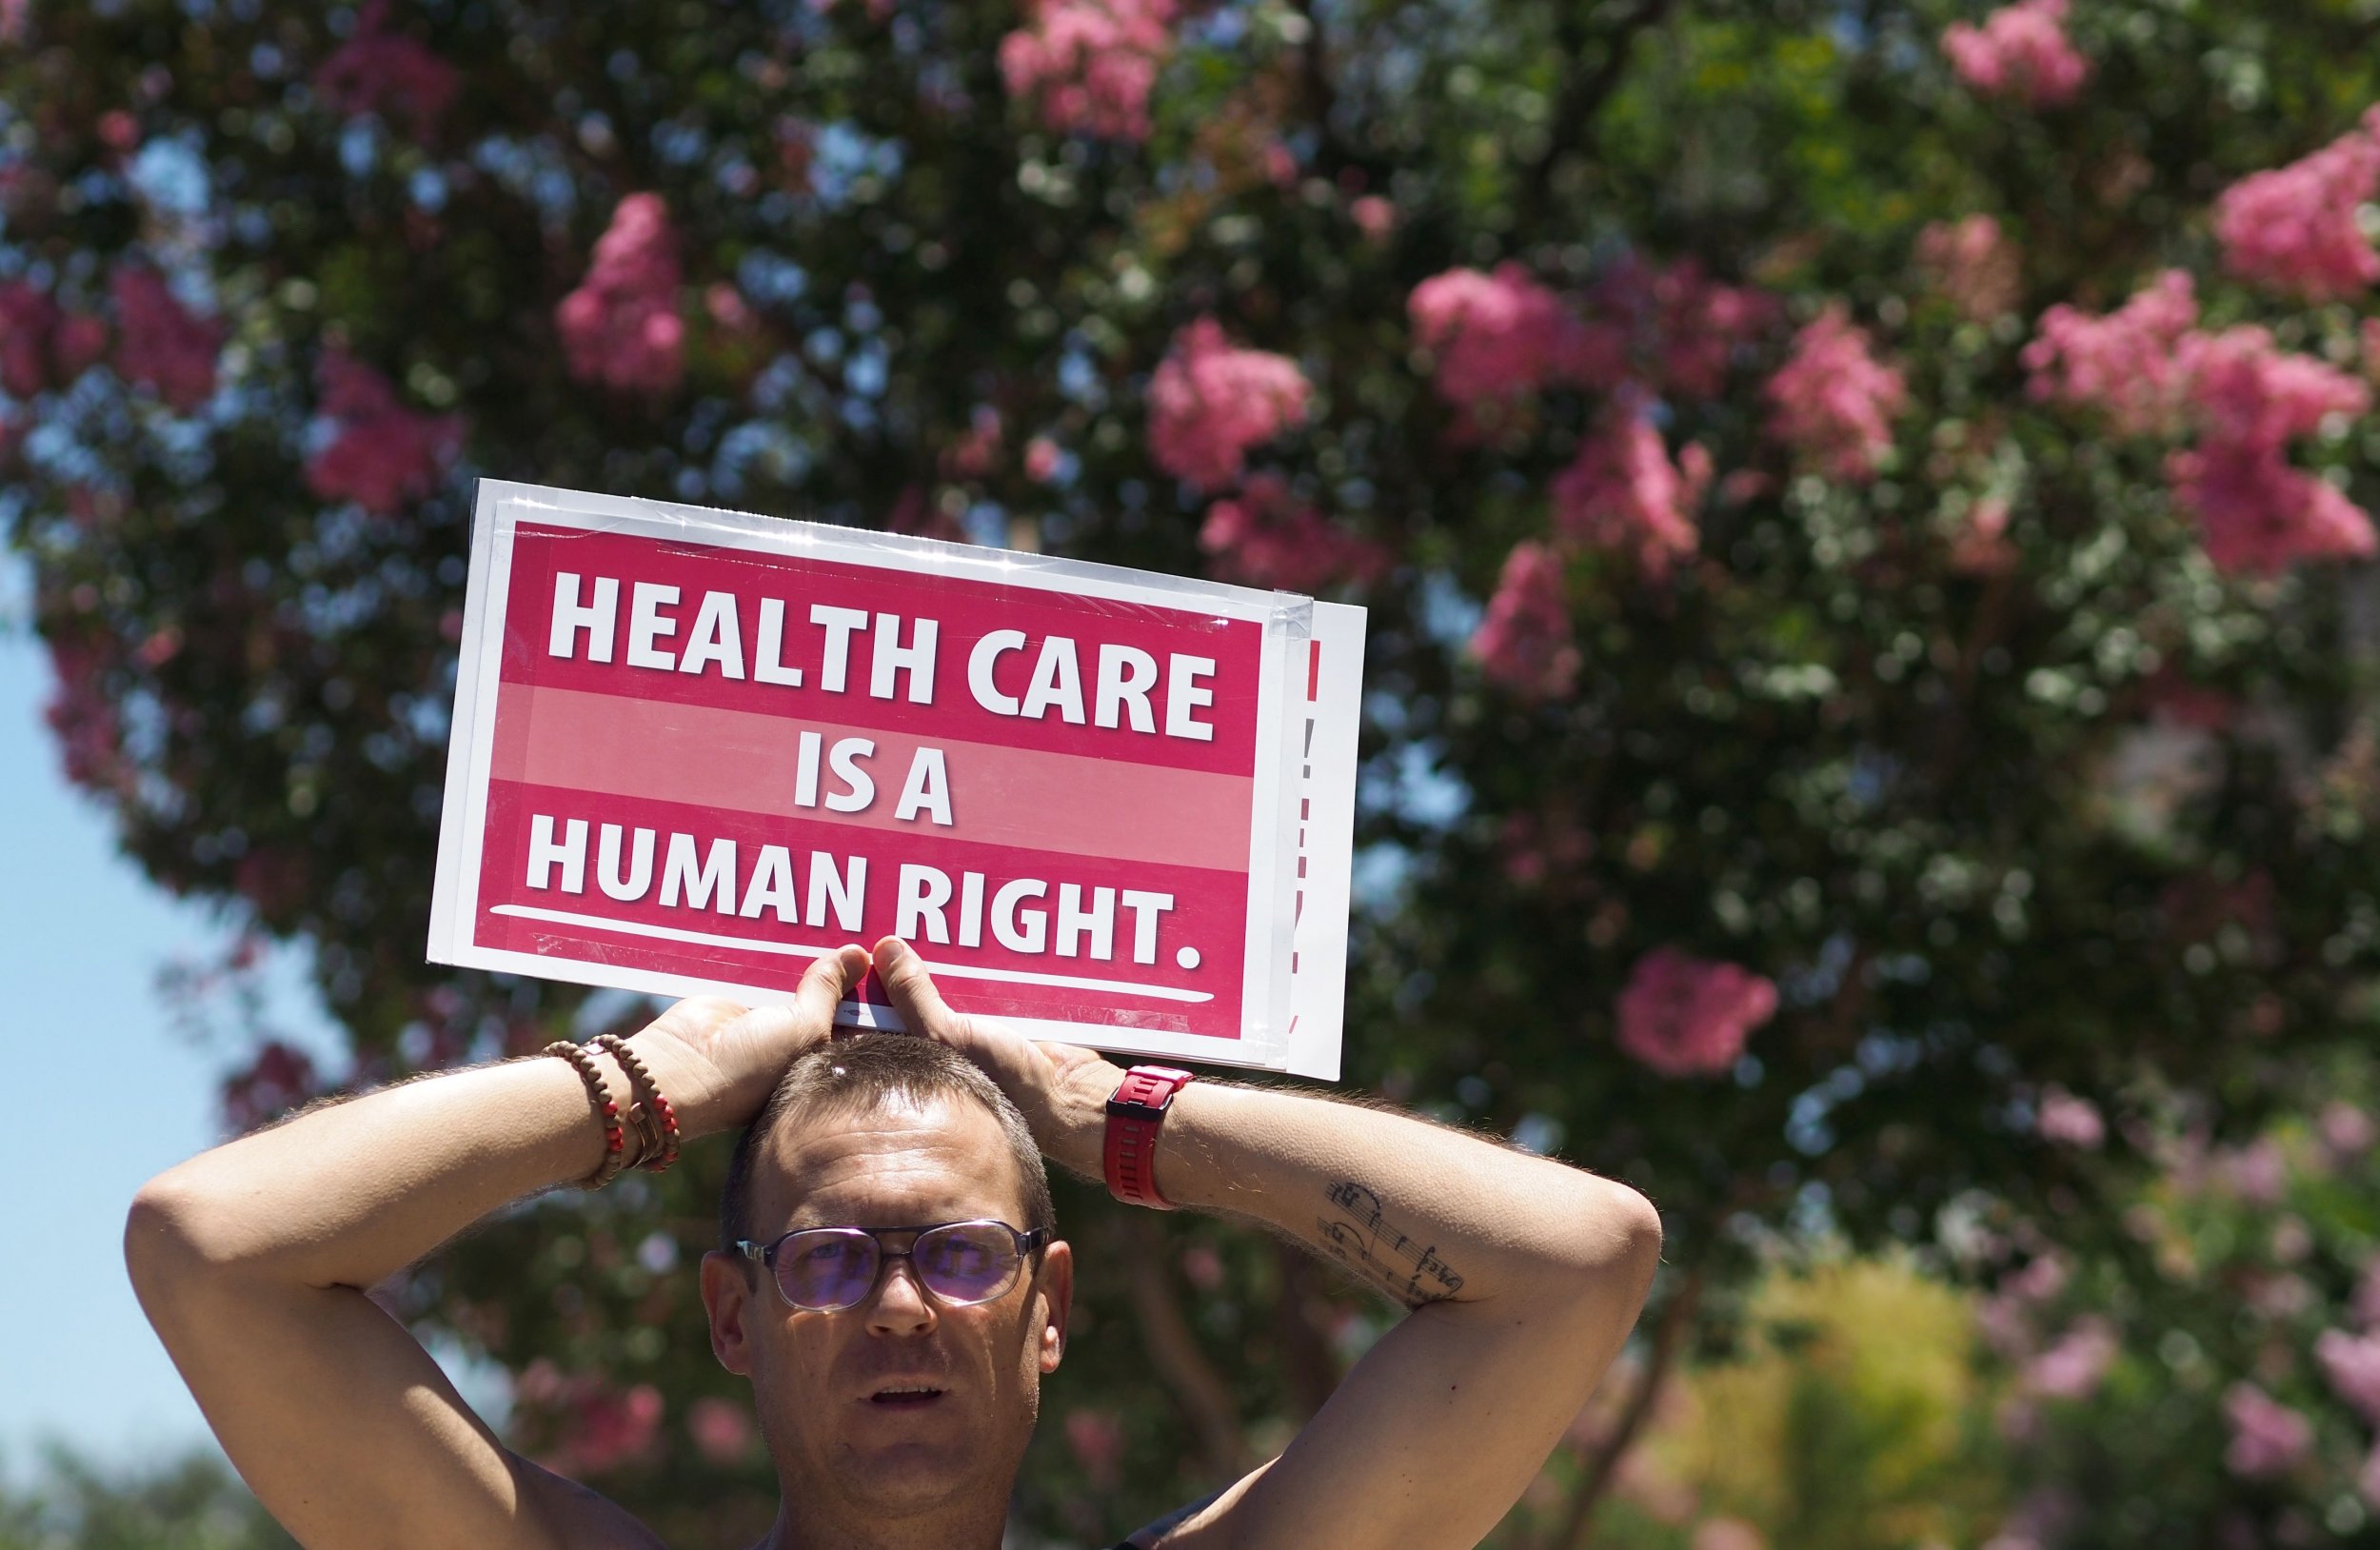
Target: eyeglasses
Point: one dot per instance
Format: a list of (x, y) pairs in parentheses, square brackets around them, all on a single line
[(827, 1269)]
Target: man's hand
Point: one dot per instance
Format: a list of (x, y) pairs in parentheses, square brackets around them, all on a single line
[(1062, 1089), (719, 1063)]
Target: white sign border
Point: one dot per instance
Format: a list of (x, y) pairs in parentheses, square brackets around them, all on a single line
[(1268, 1028)]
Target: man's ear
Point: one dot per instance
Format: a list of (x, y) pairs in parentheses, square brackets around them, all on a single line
[(728, 1293), (1056, 1285)]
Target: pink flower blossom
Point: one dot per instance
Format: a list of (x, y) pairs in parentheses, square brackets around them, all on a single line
[(78, 342), (2346, 1129), (1092, 63), (2070, 1121), (1981, 547), (2267, 1438), (1209, 403), (1700, 324), (2020, 50), (2260, 514), (1374, 216), (2255, 1173), (1726, 1534), (976, 448), (1974, 265), (1833, 402), (384, 72), (1623, 492), (2073, 1367), (28, 319), (595, 1428), (1097, 1440), (2246, 390), (2294, 230), (1524, 643), (278, 1080), (1686, 1016), (1268, 537), (383, 453), (84, 718), (2351, 1363), (1495, 337), (722, 1429), (2126, 363), (1041, 460), (621, 326), (159, 344)]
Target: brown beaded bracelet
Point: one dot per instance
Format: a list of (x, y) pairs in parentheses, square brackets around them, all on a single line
[(660, 1118), (606, 1110)]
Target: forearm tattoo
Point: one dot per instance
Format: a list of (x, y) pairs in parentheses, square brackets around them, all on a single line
[(1358, 1235)]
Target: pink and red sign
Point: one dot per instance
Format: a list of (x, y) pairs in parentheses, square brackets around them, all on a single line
[(693, 750)]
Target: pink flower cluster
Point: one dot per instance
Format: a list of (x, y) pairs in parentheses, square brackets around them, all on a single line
[(1974, 264), (1267, 537), (1623, 492), (1687, 1016), (621, 326), (596, 1427), (1500, 335), (383, 453), (2151, 371), (1833, 402), (2068, 1121), (1525, 642), (1210, 401), (722, 1429), (1495, 336), (39, 344), (2351, 1363), (2251, 399), (2293, 229), (2076, 1363), (2020, 50), (1092, 63), (2126, 363), (83, 720), (384, 72), (159, 344), (2267, 1438)]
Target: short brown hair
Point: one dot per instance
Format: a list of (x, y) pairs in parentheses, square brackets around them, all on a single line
[(862, 1074)]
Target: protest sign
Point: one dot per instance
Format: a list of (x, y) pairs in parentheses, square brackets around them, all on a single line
[(694, 749)]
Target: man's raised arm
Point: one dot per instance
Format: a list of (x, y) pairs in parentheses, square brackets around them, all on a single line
[(1524, 1277), (253, 1259)]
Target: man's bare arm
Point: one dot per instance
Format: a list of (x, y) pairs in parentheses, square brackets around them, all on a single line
[(252, 1262), (1524, 1277)]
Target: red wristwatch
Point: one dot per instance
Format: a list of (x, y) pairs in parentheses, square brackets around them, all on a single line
[(1133, 1116)]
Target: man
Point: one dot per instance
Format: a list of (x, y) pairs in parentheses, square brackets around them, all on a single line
[(896, 1373)]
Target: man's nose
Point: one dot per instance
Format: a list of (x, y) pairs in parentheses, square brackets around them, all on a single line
[(902, 1307)]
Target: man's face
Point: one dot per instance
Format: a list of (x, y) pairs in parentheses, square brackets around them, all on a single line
[(835, 1391)]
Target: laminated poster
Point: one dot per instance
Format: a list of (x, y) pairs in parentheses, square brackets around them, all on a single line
[(695, 750)]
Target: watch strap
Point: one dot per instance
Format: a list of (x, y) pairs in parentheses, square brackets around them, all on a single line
[(1135, 1116)]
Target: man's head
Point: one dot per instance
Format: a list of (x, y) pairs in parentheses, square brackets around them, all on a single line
[(885, 1130)]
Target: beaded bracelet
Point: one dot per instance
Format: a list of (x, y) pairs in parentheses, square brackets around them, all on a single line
[(606, 1110), (662, 1136)]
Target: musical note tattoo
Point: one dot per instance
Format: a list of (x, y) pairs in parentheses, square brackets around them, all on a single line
[(1360, 1237)]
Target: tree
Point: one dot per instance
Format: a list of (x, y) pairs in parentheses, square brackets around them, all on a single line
[(1861, 507)]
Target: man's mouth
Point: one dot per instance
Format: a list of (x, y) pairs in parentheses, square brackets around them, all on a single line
[(904, 1396)]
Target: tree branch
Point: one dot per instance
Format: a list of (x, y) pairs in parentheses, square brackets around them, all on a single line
[(1583, 94), (1200, 1391)]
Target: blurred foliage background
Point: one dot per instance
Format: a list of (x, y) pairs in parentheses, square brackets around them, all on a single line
[(1865, 740)]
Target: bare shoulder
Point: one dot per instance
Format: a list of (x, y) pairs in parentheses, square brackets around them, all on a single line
[(577, 1516)]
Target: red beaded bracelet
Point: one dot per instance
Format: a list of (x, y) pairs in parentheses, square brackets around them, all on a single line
[(606, 1111), (659, 1116)]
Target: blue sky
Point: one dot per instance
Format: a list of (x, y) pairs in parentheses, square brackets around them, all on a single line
[(103, 1092)]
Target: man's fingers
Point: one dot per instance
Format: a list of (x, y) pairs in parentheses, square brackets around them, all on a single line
[(912, 990), (828, 982)]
